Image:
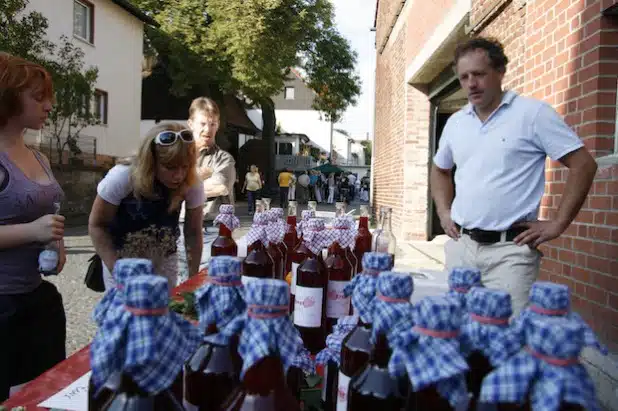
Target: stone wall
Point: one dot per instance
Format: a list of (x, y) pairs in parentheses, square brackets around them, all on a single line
[(80, 189)]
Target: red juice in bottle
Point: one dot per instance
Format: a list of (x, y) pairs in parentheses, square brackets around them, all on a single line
[(373, 387), (355, 352), (364, 237), (297, 257), (310, 303), (291, 236), (339, 271), (224, 244), (258, 263), (263, 388), (211, 374)]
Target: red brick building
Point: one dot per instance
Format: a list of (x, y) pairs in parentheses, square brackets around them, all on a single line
[(562, 51)]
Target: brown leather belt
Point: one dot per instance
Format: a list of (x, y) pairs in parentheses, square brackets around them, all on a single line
[(491, 237)]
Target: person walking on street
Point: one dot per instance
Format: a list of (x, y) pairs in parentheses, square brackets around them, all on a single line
[(32, 317), (216, 167), (253, 185), (284, 179), (331, 188), (303, 181), (499, 143)]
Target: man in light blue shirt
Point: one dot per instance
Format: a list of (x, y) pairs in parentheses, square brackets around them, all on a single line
[(499, 143)]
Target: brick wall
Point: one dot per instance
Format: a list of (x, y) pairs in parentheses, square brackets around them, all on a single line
[(389, 130)]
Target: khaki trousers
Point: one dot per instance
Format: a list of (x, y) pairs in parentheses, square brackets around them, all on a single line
[(504, 265)]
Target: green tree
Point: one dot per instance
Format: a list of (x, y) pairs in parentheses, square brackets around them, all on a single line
[(24, 34), (249, 46), (74, 88)]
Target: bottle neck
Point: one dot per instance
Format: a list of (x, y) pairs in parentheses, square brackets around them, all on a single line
[(363, 223), (292, 220), (224, 231), (381, 353)]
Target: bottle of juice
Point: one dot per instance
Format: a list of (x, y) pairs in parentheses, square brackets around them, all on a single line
[(487, 335), (356, 345), (339, 271), (291, 235), (553, 345), (299, 254), (224, 244), (268, 345), (275, 231), (364, 237), (258, 263), (461, 281), (330, 359), (435, 335), (212, 372), (311, 287), (140, 340), (373, 387)]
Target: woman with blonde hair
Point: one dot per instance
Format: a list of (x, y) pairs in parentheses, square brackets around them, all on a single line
[(137, 208), (253, 185), (32, 318)]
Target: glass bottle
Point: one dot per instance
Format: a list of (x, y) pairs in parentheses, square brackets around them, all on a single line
[(259, 206), (297, 258), (311, 287), (373, 387), (49, 257), (258, 263), (312, 205), (379, 228), (127, 396), (364, 237), (355, 352), (385, 239), (340, 209), (339, 271), (329, 386), (291, 235), (224, 244), (263, 388)]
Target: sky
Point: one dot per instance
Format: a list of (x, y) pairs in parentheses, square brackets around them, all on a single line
[(354, 20)]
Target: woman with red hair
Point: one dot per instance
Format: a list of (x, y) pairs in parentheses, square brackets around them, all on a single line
[(32, 318)]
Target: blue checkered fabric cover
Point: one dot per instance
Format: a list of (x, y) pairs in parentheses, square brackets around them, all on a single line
[(486, 325), (392, 310), (305, 216), (547, 370), (362, 288), (265, 328), (429, 353), (315, 236), (142, 339), (124, 269), (550, 300), (257, 232), (226, 217), (334, 341), (303, 360), (221, 299), (460, 282)]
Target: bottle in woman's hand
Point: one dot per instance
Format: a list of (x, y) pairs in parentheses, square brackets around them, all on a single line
[(49, 257)]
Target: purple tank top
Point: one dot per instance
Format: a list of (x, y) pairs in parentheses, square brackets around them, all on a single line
[(22, 201)]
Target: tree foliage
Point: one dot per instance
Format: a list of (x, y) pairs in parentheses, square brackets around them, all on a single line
[(248, 46), (24, 34)]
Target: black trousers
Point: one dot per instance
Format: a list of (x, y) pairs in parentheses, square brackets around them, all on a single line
[(32, 335), (283, 196)]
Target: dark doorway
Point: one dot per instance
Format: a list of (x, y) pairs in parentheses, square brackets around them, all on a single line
[(436, 227), (445, 103)]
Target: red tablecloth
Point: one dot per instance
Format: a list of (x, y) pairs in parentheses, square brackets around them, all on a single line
[(78, 364)]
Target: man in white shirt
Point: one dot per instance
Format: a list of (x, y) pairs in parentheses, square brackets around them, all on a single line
[(499, 143)]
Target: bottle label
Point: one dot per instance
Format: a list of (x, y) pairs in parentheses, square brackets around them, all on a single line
[(342, 392), (188, 406), (324, 381), (48, 260), (308, 306), (246, 279), (294, 270), (337, 304)]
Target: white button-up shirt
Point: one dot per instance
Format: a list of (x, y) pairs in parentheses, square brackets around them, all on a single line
[(500, 174)]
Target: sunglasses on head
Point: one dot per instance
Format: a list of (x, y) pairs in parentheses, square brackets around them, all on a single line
[(168, 138)]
